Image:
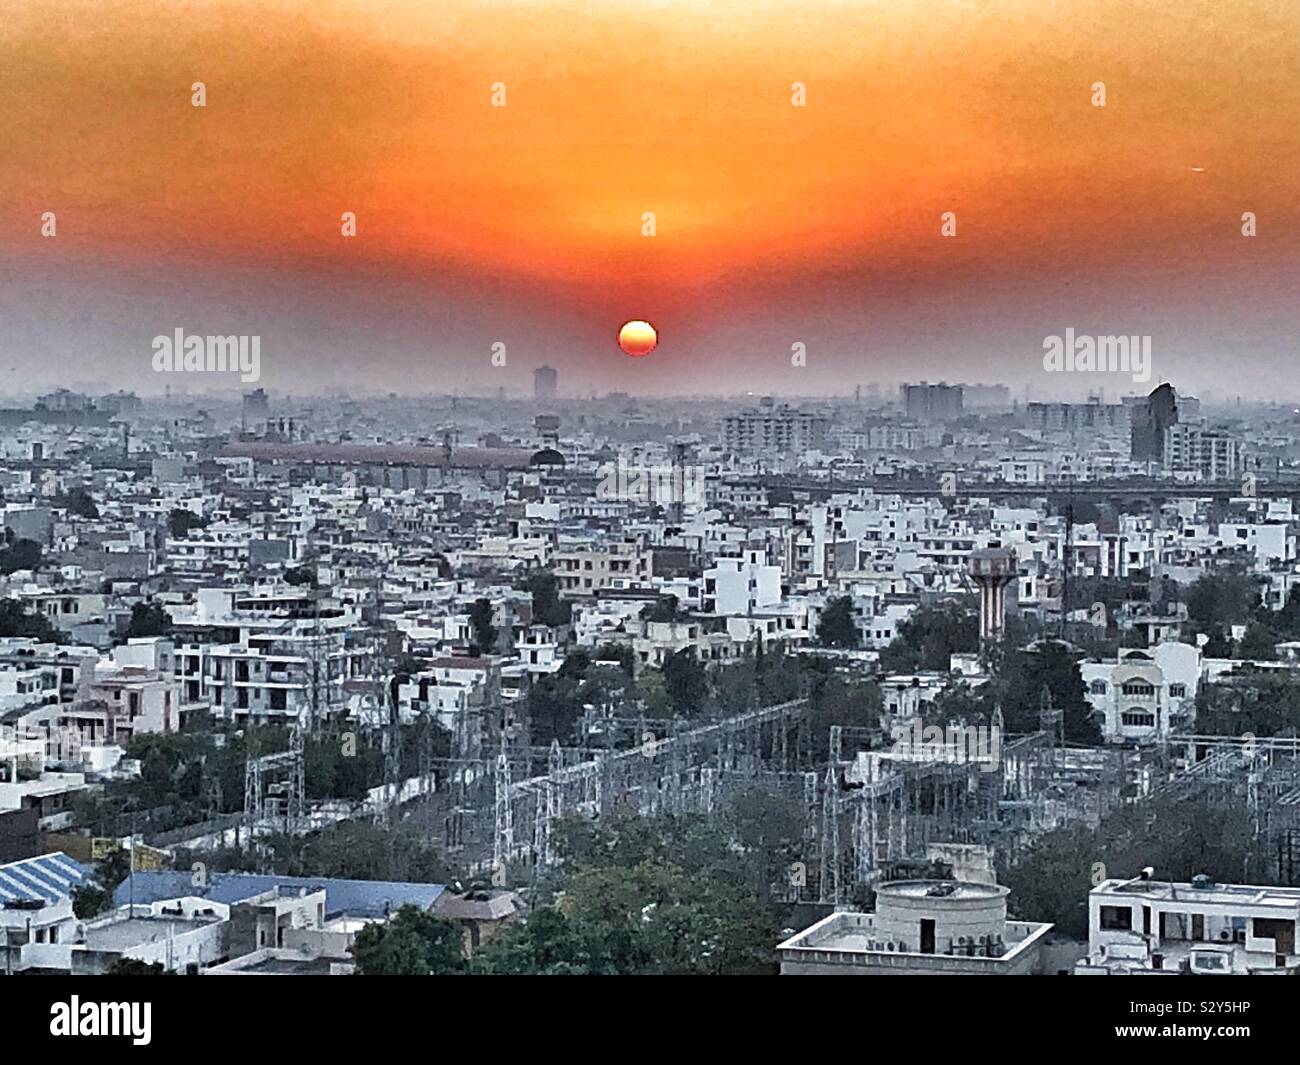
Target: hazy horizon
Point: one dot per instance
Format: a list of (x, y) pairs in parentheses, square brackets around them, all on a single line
[(775, 225)]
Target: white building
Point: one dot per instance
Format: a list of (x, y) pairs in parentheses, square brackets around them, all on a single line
[(1143, 926), (1144, 695), (920, 927), (738, 586)]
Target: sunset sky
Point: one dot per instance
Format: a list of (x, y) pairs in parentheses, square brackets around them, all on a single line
[(775, 224)]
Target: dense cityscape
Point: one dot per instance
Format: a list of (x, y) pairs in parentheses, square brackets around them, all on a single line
[(916, 679)]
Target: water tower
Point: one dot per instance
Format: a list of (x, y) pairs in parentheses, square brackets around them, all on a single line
[(992, 569)]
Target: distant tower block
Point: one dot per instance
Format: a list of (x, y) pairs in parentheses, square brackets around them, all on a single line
[(545, 384), (993, 569)]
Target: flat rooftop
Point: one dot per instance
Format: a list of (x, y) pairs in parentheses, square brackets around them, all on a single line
[(133, 931), (847, 933), (941, 889), (1285, 898)]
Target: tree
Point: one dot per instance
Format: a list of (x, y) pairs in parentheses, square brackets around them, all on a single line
[(411, 943), (300, 575), (24, 554), (658, 895), (135, 967), (548, 608), (148, 619), (619, 652), (1221, 599), (836, 627), (555, 705), (1022, 678), (1261, 702), (78, 501), (1258, 642), (480, 619), (652, 694), (1219, 644), (358, 850), (929, 638), (685, 680), (1179, 837), (95, 895), (180, 521), (546, 944), (663, 609), (15, 621), (90, 900)]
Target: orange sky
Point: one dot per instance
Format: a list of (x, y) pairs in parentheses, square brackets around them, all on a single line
[(915, 107)]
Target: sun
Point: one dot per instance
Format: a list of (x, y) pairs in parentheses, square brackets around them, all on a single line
[(637, 337)]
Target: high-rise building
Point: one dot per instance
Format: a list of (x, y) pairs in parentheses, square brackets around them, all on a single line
[(1213, 454), (926, 402), (545, 383), (773, 429), (1150, 420)]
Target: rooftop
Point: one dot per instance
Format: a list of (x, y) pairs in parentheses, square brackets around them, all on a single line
[(356, 898), (1283, 898), (49, 876)]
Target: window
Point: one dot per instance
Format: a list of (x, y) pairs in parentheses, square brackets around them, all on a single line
[(1177, 691), (1138, 687), (1117, 918), (1138, 719), (1097, 687)]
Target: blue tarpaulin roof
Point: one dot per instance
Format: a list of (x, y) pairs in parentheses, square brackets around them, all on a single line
[(356, 898), (48, 876)]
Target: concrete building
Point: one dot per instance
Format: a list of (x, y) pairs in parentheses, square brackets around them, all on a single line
[(545, 384), (774, 431), (741, 585), (1143, 926), (587, 570), (1144, 696), (932, 403), (920, 927), (1203, 453)]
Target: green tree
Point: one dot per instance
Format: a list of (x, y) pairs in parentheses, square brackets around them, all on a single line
[(928, 639), (652, 694), (1219, 644), (1049, 664), (300, 576), (95, 895), (1220, 599), (135, 967), (411, 943), (619, 652), (180, 521), (78, 501), (24, 554), (686, 681), (1261, 702), (662, 609), (548, 607), (148, 619), (480, 619), (1178, 837), (1258, 642), (15, 621), (667, 894), (836, 627)]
